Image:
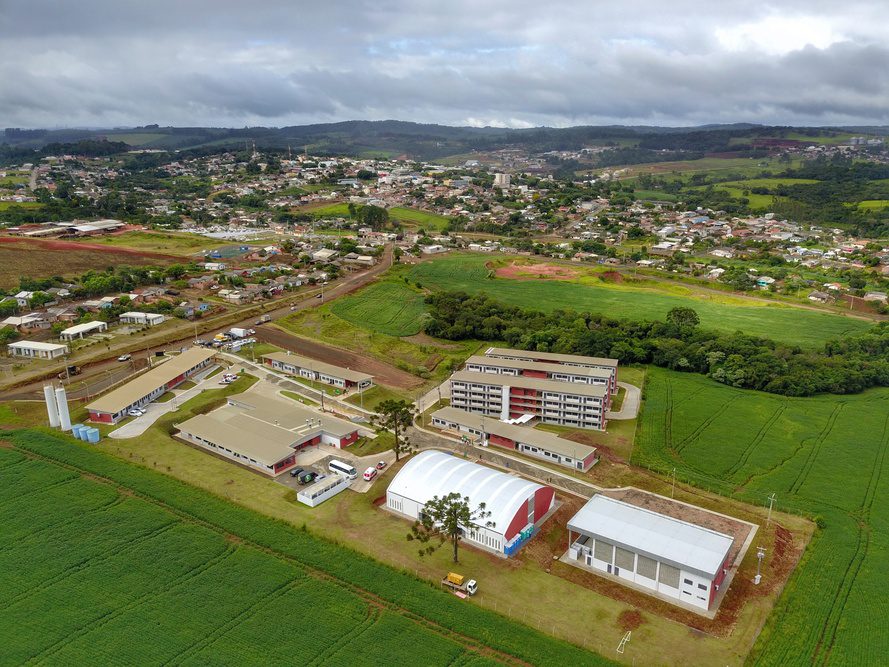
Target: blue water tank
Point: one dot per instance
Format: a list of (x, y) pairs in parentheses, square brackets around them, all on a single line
[(77, 431), (93, 435)]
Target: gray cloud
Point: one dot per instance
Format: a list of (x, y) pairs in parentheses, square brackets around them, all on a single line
[(221, 62)]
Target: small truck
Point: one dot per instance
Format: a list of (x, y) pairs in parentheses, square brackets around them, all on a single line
[(264, 319), (460, 585), (70, 371)]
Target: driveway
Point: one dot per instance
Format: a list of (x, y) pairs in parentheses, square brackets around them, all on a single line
[(629, 409)]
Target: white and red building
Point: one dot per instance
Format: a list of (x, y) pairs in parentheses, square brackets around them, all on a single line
[(594, 375), (568, 360), (317, 371), (113, 406), (517, 506), (522, 439)]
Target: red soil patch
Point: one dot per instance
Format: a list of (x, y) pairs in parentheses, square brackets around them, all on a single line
[(612, 277), (630, 619), (532, 271), (55, 244)]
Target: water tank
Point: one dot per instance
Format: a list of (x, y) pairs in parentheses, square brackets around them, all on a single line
[(62, 402), (52, 409), (78, 431), (93, 435)]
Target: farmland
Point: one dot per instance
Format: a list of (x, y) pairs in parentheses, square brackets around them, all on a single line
[(649, 301), (216, 583), (410, 217), (823, 457), (173, 243), (388, 307)]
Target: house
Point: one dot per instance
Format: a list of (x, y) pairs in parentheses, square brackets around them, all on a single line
[(28, 323), (37, 350), (879, 297), (324, 255), (84, 329), (819, 297), (145, 319)]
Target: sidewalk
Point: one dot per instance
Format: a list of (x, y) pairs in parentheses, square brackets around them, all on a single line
[(629, 409)]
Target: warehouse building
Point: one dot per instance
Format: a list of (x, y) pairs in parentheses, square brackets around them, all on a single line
[(517, 506), (318, 371), (603, 377), (32, 349), (84, 329), (680, 561), (523, 439), (509, 397), (571, 360), (113, 406), (265, 433), (144, 319)]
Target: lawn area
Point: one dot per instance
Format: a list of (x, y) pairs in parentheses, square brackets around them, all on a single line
[(389, 307), (171, 243), (823, 457), (137, 138), (412, 217), (6, 205), (372, 397), (216, 582), (338, 210), (367, 446), (650, 300), (658, 195)]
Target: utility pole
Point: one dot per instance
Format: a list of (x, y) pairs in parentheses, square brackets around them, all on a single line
[(673, 489), (771, 499)]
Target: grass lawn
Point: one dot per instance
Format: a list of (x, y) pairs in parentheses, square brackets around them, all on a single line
[(429, 221), (297, 397), (389, 307), (375, 395), (873, 204), (257, 349), (367, 446), (824, 457), (137, 138), (649, 300), (164, 398), (6, 205)]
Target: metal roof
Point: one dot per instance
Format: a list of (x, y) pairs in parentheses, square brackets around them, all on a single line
[(37, 345), (433, 473), (292, 416), (525, 364), (231, 428), (84, 327), (553, 386), (300, 361), (524, 434), (134, 390), (679, 543), (549, 356)]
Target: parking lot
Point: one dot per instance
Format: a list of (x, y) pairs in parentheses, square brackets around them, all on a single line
[(316, 459)]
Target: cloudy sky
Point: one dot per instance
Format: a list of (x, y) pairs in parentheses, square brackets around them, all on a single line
[(461, 62)]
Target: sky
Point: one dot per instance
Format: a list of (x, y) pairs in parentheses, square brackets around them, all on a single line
[(111, 63)]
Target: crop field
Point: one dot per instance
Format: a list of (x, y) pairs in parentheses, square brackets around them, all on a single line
[(711, 165), (388, 307), (722, 312), (873, 204), (24, 258), (6, 205), (166, 242), (137, 138), (414, 217), (216, 583), (823, 457)]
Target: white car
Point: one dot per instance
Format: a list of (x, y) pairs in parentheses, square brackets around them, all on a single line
[(135, 412), (124, 357)]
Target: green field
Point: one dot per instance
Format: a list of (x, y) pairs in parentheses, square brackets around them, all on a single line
[(171, 243), (414, 217), (823, 457), (873, 204), (388, 307), (6, 205), (108, 562), (137, 138), (652, 301)]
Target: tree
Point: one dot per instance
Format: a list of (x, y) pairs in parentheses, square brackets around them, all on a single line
[(444, 519), (683, 317), (396, 415)]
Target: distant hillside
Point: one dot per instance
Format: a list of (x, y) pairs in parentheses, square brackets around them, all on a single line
[(424, 141)]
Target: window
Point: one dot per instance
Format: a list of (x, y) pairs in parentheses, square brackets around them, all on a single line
[(703, 587), (688, 582)]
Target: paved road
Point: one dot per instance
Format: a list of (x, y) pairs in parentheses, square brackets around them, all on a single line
[(629, 409)]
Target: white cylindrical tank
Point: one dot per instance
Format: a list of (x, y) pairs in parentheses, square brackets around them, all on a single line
[(52, 410), (62, 401)]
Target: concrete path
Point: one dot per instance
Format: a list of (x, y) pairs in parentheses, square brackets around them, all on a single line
[(629, 409)]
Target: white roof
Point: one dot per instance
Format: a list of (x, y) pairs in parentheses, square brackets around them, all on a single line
[(432, 473), (84, 327), (37, 345), (676, 542)]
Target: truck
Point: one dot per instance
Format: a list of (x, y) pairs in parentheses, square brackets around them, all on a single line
[(237, 332), (265, 318), (460, 585), (69, 371)]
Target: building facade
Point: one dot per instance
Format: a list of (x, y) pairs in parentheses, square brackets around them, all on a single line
[(318, 371), (556, 358), (595, 375), (36, 350)]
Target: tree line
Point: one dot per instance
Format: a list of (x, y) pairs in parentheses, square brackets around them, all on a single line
[(843, 366)]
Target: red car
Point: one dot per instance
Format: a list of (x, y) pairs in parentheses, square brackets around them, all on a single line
[(381, 465)]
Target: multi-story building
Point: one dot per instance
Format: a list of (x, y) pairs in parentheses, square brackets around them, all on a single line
[(570, 360), (510, 397)]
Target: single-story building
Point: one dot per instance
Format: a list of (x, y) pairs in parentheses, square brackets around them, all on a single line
[(264, 433), (315, 494), (319, 371), (84, 329), (517, 506), (679, 560), (523, 439), (113, 406), (145, 319), (37, 350)]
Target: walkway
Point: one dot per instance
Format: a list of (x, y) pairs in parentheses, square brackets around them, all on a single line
[(629, 409)]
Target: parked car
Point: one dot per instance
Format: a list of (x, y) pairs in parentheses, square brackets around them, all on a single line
[(135, 412), (296, 471), (125, 357), (307, 477), (381, 465), (369, 474)]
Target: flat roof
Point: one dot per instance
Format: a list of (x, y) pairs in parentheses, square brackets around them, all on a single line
[(524, 434), (84, 327), (679, 543), (123, 397), (549, 356), (229, 427), (318, 366), (290, 415), (554, 386), (137, 313), (37, 345), (525, 364)]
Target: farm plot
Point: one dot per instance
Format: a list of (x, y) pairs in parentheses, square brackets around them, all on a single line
[(388, 307), (783, 323), (824, 457), (115, 563)]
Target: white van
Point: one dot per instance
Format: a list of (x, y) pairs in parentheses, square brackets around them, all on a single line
[(343, 469)]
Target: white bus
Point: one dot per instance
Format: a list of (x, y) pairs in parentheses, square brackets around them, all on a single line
[(342, 469)]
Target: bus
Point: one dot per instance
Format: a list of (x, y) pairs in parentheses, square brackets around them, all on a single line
[(342, 469)]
